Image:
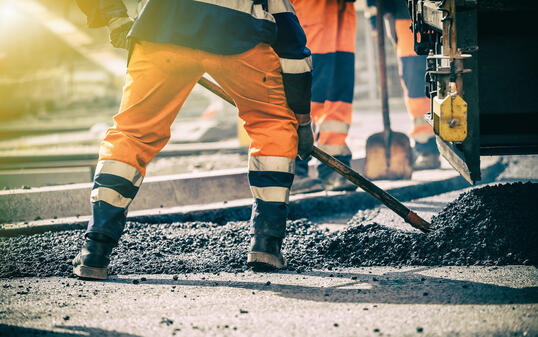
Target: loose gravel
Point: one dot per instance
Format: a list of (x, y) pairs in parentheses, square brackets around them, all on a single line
[(492, 225)]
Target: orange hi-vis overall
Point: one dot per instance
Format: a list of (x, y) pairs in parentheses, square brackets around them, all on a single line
[(159, 79), (330, 32), (256, 50)]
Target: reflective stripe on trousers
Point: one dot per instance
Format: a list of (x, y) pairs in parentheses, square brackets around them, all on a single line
[(114, 188), (270, 179), (159, 79)]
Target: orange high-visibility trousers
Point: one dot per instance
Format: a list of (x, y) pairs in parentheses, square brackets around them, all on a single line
[(159, 79), (161, 76)]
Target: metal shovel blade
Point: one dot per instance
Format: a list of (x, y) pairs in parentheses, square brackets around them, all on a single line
[(393, 166)]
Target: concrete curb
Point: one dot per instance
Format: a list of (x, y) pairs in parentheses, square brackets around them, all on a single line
[(156, 192), (20, 205), (424, 184), (75, 157)]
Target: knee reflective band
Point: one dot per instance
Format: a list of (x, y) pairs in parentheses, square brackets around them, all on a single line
[(115, 183), (334, 126), (332, 137), (115, 186), (336, 150), (422, 131), (270, 179)]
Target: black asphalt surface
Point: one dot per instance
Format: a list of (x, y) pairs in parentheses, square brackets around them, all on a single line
[(491, 225)]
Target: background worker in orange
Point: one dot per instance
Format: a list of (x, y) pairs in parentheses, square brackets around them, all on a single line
[(412, 69), (256, 52), (330, 29)]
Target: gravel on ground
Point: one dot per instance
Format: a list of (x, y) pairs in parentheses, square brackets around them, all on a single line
[(491, 225)]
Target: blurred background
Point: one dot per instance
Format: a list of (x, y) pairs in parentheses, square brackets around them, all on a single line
[(60, 85)]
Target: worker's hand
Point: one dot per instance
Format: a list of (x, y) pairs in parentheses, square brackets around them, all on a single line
[(306, 140), (118, 28)]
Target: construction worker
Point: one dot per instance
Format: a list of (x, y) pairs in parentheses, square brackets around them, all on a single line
[(330, 29), (412, 68), (256, 51)]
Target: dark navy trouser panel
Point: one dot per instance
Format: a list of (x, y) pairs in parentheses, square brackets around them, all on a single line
[(301, 167), (118, 184), (107, 220), (269, 218), (269, 178), (333, 77), (413, 69)]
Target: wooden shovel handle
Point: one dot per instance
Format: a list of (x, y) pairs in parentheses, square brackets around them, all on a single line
[(214, 88)]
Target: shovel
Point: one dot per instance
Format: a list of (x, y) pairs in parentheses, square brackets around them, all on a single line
[(388, 200), (388, 153)]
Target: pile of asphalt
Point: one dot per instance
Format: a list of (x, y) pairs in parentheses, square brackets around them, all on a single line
[(492, 225)]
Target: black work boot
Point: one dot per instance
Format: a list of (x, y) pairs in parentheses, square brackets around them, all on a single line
[(305, 184), (426, 155), (94, 257), (265, 253), (302, 183), (333, 181)]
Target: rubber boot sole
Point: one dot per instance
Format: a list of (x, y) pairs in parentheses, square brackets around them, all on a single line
[(264, 261), (92, 273)]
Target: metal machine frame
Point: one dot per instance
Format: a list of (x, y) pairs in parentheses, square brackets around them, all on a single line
[(481, 77)]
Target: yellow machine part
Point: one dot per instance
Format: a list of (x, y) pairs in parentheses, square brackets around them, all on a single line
[(450, 118)]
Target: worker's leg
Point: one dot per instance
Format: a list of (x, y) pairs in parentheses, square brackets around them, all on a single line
[(412, 71), (332, 93), (254, 80), (313, 16), (330, 32), (159, 78)]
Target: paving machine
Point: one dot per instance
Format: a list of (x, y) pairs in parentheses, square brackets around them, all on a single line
[(482, 77)]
